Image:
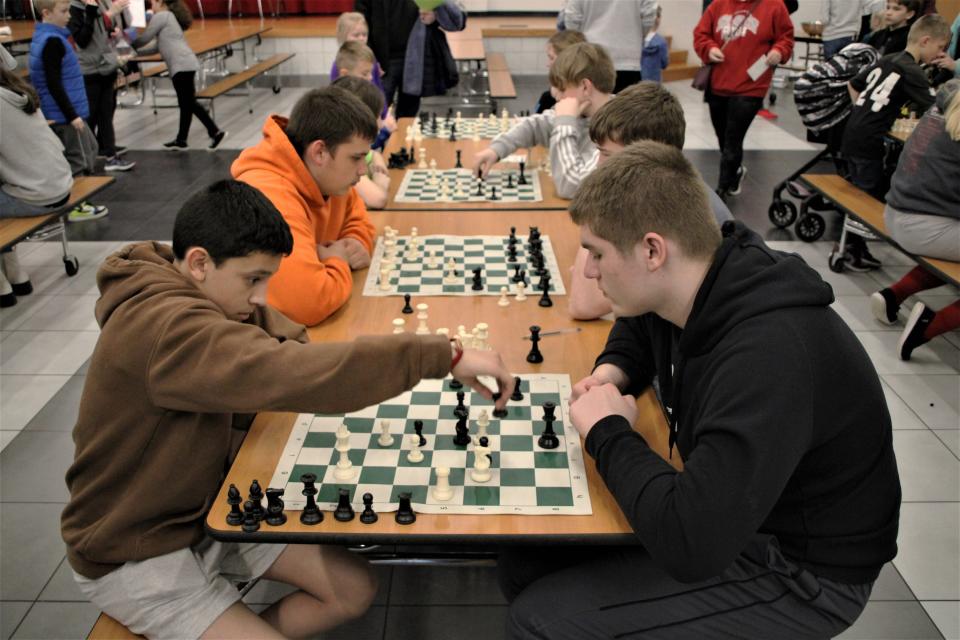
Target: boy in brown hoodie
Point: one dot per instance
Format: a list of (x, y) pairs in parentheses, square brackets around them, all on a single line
[(187, 344)]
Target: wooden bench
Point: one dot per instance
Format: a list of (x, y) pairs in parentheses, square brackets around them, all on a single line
[(13, 230), (217, 89), (869, 211), (501, 82), (107, 628)]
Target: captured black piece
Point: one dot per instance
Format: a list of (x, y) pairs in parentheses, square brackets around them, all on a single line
[(235, 517), (368, 516), (311, 513), (344, 511), (405, 514), (535, 357), (275, 515)]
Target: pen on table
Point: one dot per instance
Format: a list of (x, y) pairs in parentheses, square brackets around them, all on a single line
[(544, 334)]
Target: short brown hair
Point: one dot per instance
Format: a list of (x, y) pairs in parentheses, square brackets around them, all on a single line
[(643, 111), (330, 114), (353, 53), (49, 5), (563, 39), (584, 61), (932, 25), (912, 5), (649, 186), (363, 89)]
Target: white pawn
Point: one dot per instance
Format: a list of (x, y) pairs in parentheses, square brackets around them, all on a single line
[(451, 276), (423, 158), (483, 421), (443, 331), (344, 469), (481, 464), (422, 329), (504, 301), (415, 454), (481, 333), (442, 490), (398, 325), (384, 278), (466, 339), (520, 297), (385, 439)]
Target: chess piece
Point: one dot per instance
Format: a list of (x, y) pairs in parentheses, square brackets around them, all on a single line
[(516, 273), (517, 394), (406, 304), (483, 421), (493, 193), (477, 280), (455, 384), (520, 297), (535, 357), (504, 301), (479, 188), (462, 429), (311, 513), (512, 253), (459, 164), (251, 522), (235, 517), (385, 439), (423, 159), (442, 491), (453, 132), (433, 167), (344, 469), (405, 514), (344, 511), (418, 429), (509, 181), (522, 180), (422, 329), (545, 300), (482, 333), (275, 515), (461, 407), (481, 461), (256, 496), (414, 455), (367, 516), (548, 439), (398, 325), (451, 277), (384, 278)]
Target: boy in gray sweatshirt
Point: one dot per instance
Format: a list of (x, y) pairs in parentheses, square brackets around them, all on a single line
[(584, 77)]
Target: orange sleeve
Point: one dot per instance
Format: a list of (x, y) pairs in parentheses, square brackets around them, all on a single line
[(356, 221)]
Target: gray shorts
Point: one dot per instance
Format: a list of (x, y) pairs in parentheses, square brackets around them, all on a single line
[(179, 594), (930, 236)]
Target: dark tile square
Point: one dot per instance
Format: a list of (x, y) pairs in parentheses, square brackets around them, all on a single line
[(60, 412), (447, 623)]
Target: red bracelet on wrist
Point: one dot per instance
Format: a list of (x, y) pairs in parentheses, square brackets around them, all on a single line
[(457, 352)]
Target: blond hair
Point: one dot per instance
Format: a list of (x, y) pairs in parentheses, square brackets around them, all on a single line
[(932, 25), (584, 61), (353, 53), (648, 187), (951, 114), (643, 111), (346, 22), (564, 39)]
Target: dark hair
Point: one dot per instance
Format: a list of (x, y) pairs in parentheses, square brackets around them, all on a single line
[(363, 89), (13, 82), (181, 12), (330, 114), (230, 219), (643, 111)]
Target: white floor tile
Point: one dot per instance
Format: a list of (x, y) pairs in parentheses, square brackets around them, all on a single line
[(61, 620), (857, 313), (929, 549), (15, 317), (934, 398), (946, 615), (890, 586), (901, 415), (6, 437), (48, 280), (891, 621), (46, 352), (22, 396), (951, 438), (929, 471), (935, 357), (64, 313)]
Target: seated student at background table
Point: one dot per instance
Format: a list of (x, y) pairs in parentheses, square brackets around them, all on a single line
[(788, 502), (189, 343), (307, 166), (374, 186), (643, 111), (583, 76)]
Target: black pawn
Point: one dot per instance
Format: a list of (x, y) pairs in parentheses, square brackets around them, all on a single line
[(405, 514), (256, 495), (516, 273), (517, 393), (344, 511), (461, 408), (545, 300), (480, 188), (251, 522), (406, 304), (368, 516), (275, 515), (509, 181), (459, 164), (453, 132), (548, 439), (498, 413), (512, 254), (523, 178), (462, 429), (418, 429), (523, 277), (493, 193), (311, 513), (477, 279), (535, 356), (235, 516), (455, 384), (413, 158)]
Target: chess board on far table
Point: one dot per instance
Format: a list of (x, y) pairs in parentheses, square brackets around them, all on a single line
[(426, 185), (416, 275), (484, 128), (525, 479)]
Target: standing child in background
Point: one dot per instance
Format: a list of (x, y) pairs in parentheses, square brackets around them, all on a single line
[(373, 187), (170, 19), (356, 60), (55, 73), (841, 22), (898, 17), (352, 27), (555, 46), (656, 53)]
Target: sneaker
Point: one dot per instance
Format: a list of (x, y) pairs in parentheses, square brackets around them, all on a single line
[(86, 212), (912, 336), (868, 259), (767, 114), (216, 140), (116, 163), (741, 172), (884, 306), (860, 260), (175, 145)]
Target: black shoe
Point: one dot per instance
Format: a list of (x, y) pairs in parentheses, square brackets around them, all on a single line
[(912, 336), (884, 306), (175, 145), (860, 260), (216, 140), (7, 300), (868, 260), (735, 189), (22, 288)]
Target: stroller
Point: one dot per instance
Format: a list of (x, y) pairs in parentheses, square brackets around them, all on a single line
[(824, 106)]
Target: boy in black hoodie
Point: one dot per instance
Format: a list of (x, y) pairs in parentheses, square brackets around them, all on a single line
[(788, 502)]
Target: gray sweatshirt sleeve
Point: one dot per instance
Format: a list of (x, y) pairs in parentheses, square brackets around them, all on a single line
[(531, 131), (573, 15), (648, 18), (153, 28), (568, 164)]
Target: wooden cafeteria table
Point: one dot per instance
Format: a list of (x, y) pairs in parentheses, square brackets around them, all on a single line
[(445, 153), (570, 353)]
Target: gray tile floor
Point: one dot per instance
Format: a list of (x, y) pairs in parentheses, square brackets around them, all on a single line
[(46, 340)]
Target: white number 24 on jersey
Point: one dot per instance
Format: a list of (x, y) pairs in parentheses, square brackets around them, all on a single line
[(880, 96)]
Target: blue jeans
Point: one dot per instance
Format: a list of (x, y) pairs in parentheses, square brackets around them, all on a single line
[(11, 207), (831, 47)]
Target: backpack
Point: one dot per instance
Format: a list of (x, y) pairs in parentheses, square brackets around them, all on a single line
[(821, 92)]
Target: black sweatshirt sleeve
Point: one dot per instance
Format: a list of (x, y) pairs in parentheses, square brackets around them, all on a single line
[(694, 523), (628, 348), (82, 22), (52, 56)]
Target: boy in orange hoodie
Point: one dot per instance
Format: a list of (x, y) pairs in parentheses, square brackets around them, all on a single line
[(307, 166)]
